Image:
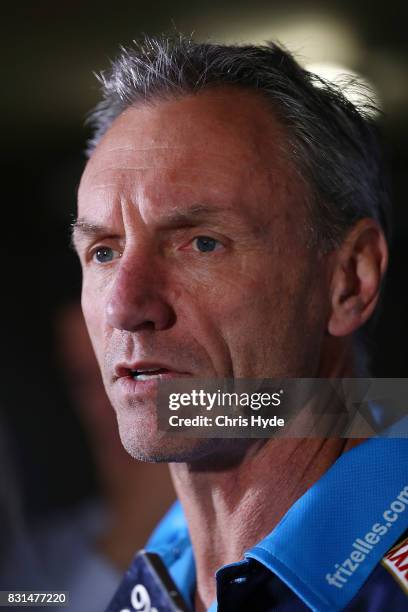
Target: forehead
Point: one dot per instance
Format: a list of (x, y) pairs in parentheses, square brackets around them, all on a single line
[(216, 144)]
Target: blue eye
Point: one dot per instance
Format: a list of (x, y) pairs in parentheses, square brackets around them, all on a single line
[(104, 254), (205, 244)]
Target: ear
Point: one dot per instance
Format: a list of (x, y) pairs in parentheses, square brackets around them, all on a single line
[(359, 265)]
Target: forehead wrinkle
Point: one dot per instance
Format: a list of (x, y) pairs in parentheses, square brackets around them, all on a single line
[(131, 147), (185, 176), (88, 179), (178, 212), (98, 187), (102, 153), (125, 168)]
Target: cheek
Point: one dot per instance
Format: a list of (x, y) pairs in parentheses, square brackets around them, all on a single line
[(217, 296), (231, 311), (94, 315), (251, 312), (262, 317)]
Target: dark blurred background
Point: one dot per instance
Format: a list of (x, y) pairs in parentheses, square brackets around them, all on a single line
[(50, 50)]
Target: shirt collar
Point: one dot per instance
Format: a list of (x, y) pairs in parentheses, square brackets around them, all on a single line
[(326, 529), (171, 541)]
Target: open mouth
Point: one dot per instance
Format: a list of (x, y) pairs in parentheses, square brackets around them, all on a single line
[(148, 374)]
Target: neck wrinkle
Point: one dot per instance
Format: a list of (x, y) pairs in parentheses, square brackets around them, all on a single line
[(230, 511)]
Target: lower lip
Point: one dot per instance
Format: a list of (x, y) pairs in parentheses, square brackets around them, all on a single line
[(131, 385)]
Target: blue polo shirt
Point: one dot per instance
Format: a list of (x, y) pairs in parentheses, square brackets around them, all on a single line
[(341, 546)]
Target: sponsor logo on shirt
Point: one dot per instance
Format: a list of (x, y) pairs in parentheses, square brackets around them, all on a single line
[(396, 562)]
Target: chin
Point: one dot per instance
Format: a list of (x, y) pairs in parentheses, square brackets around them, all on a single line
[(144, 442)]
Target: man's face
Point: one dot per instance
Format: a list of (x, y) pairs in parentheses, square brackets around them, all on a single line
[(193, 236)]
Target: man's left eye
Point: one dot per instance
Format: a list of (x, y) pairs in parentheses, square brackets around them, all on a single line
[(205, 244)]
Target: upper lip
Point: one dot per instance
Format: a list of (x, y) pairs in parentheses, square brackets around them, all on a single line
[(125, 368)]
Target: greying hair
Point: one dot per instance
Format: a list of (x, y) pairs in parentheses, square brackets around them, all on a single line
[(334, 145)]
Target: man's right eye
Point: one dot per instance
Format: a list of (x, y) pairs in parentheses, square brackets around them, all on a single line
[(105, 255)]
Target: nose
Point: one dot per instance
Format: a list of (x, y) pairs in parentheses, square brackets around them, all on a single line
[(136, 301)]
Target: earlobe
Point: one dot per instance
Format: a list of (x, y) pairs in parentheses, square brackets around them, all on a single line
[(359, 267)]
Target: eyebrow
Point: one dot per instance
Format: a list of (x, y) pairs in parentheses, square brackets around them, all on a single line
[(191, 216), (82, 227), (175, 219)]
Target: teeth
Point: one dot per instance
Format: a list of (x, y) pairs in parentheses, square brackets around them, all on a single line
[(146, 373), (145, 376)]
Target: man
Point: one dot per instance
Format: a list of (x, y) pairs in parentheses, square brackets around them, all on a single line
[(232, 223)]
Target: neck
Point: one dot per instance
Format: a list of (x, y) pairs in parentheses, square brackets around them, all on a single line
[(229, 509)]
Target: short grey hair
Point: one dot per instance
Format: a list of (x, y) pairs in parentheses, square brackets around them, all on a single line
[(334, 145)]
